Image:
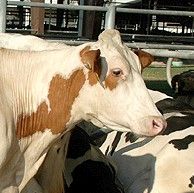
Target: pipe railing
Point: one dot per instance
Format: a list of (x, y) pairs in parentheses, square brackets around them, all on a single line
[(110, 24), (99, 8), (58, 6), (110, 10), (156, 12), (3, 6), (139, 45)]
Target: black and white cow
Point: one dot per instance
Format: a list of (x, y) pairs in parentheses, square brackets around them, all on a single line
[(183, 85), (163, 164), (85, 169)]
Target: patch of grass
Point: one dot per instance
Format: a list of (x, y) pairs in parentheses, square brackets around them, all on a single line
[(155, 77), (159, 85), (159, 73)]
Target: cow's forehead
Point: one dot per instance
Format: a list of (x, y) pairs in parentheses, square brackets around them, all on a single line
[(120, 57), (116, 53), (110, 45)]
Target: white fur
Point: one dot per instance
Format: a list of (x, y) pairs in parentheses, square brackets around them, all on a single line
[(27, 42), (158, 96)]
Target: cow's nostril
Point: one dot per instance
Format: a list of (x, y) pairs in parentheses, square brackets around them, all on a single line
[(158, 125)]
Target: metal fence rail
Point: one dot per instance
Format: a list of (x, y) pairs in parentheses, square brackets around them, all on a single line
[(155, 12), (3, 6), (137, 45), (109, 19), (58, 6), (111, 11)]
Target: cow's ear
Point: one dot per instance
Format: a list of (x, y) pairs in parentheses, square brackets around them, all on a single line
[(90, 58), (144, 57)]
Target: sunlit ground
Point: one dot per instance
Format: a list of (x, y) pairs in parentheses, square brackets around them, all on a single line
[(155, 77)]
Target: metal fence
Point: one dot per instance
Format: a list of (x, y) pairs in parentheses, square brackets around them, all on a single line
[(166, 50), (110, 13)]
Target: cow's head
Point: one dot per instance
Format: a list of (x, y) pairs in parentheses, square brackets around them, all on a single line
[(114, 94)]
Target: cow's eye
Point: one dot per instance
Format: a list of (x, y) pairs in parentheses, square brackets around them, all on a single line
[(116, 72)]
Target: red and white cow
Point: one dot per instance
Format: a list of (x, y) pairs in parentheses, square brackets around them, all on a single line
[(45, 93), (161, 164)]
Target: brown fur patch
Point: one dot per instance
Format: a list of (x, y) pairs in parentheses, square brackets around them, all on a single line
[(111, 81), (62, 94), (87, 48), (93, 78), (91, 58)]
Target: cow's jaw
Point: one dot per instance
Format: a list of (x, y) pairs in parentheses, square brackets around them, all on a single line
[(134, 110)]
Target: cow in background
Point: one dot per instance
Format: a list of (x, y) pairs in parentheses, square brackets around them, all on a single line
[(45, 93), (85, 169), (157, 164), (140, 164), (160, 164), (183, 85)]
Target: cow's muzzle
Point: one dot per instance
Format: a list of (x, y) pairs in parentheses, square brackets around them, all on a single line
[(155, 125)]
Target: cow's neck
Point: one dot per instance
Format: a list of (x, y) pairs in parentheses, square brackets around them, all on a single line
[(40, 102), (55, 115), (47, 122), (34, 150)]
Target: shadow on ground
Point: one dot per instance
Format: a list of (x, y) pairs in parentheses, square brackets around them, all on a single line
[(159, 85)]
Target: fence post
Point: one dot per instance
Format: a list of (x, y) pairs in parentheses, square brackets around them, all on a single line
[(168, 71), (37, 19), (110, 17), (80, 21), (3, 6)]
